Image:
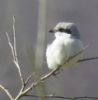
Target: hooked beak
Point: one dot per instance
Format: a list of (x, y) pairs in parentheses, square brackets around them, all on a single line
[(52, 31)]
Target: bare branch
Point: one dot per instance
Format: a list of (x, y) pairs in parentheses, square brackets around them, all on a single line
[(87, 59), (34, 84), (14, 54), (14, 46), (28, 78), (62, 97), (7, 92), (10, 44)]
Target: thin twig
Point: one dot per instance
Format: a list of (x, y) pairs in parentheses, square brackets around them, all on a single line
[(87, 59), (28, 78), (10, 44), (7, 92), (40, 80), (14, 46), (62, 97), (14, 54)]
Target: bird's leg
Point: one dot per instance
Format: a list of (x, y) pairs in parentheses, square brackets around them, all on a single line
[(57, 71)]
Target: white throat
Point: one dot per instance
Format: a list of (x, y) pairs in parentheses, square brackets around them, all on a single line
[(63, 34)]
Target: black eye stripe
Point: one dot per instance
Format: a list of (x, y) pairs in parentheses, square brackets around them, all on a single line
[(68, 31), (65, 30), (61, 30)]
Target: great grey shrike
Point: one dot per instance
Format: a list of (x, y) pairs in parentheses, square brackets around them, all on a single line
[(67, 43)]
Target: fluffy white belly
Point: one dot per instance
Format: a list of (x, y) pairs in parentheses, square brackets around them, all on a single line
[(61, 50)]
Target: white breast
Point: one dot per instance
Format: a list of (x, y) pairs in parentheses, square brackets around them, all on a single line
[(61, 49)]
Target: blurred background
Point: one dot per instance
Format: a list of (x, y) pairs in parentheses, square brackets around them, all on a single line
[(34, 18)]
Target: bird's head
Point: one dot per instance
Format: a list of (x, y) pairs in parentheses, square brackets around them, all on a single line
[(66, 28)]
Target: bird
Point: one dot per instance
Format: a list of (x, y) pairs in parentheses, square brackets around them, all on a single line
[(66, 47)]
